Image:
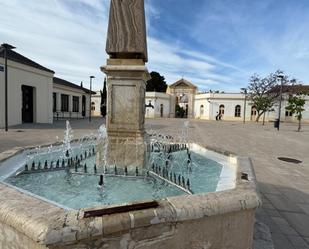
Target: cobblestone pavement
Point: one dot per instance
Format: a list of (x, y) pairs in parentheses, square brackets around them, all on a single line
[(284, 186)]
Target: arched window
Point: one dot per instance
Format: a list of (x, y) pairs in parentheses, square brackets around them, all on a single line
[(201, 110), (221, 109), (237, 111), (288, 113), (92, 106), (253, 111)]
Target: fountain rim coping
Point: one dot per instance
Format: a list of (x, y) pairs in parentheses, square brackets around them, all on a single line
[(48, 224)]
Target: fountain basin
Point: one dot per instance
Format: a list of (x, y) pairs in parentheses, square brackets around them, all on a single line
[(222, 219)]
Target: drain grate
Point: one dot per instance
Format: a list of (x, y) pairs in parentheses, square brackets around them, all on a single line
[(289, 160)]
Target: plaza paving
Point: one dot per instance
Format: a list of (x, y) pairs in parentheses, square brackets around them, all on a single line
[(284, 186)]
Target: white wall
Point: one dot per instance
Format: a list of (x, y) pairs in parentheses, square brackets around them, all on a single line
[(156, 100), (60, 89), (97, 100), (19, 75), (212, 102)]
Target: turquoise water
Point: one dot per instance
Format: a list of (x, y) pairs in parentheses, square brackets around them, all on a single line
[(79, 190)]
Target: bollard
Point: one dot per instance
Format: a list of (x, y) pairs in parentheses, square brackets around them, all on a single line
[(126, 171), (33, 166), (136, 171), (188, 184), (101, 182), (183, 182), (116, 171), (63, 163), (85, 168), (57, 164), (45, 165), (95, 168)]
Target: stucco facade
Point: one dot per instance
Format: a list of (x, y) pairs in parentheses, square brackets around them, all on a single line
[(42, 86), (36, 96), (80, 111), (207, 106), (158, 105)]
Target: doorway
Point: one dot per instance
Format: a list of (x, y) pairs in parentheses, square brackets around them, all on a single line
[(83, 106), (27, 104)]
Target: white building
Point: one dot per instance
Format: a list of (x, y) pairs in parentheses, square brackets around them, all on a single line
[(95, 104), (70, 100), (35, 96), (207, 106)]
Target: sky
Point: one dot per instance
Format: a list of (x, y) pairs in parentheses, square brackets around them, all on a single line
[(215, 44)]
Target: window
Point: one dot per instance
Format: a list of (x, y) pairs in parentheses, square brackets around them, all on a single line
[(288, 113), (64, 103), (221, 109), (253, 111), (237, 111), (161, 110), (75, 104), (201, 110), (54, 102), (92, 106)]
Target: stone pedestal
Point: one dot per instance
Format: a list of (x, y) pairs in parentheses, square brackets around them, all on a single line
[(126, 85)]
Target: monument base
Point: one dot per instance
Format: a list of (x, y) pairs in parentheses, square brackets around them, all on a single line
[(126, 85)]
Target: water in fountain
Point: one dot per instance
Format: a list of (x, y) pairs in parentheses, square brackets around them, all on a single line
[(68, 136), (167, 172)]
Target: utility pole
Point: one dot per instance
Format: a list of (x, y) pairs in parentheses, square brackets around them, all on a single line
[(91, 77), (245, 104), (5, 48), (280, 77)]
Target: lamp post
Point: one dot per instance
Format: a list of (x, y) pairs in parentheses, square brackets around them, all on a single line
[(5, 47), (245, 92), (91, 77), (280, 77)]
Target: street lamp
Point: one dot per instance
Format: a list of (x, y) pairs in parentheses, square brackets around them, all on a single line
[(280, 77), (245, 92), (6, 47), (91, 77)]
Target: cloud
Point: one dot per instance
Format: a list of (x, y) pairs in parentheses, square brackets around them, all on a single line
[(219, 44)]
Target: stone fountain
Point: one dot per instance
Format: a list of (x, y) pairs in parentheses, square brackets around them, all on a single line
[(223, 218)]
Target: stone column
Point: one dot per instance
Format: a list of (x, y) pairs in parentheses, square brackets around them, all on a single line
[(126, 85), (70, 103), (58, 102)]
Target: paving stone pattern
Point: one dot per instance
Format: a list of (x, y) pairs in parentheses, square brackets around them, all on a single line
[(284, 186)]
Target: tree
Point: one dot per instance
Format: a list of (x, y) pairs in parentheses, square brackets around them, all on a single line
[(103, 99), (264, 92), (296, 106), (157, 83)]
